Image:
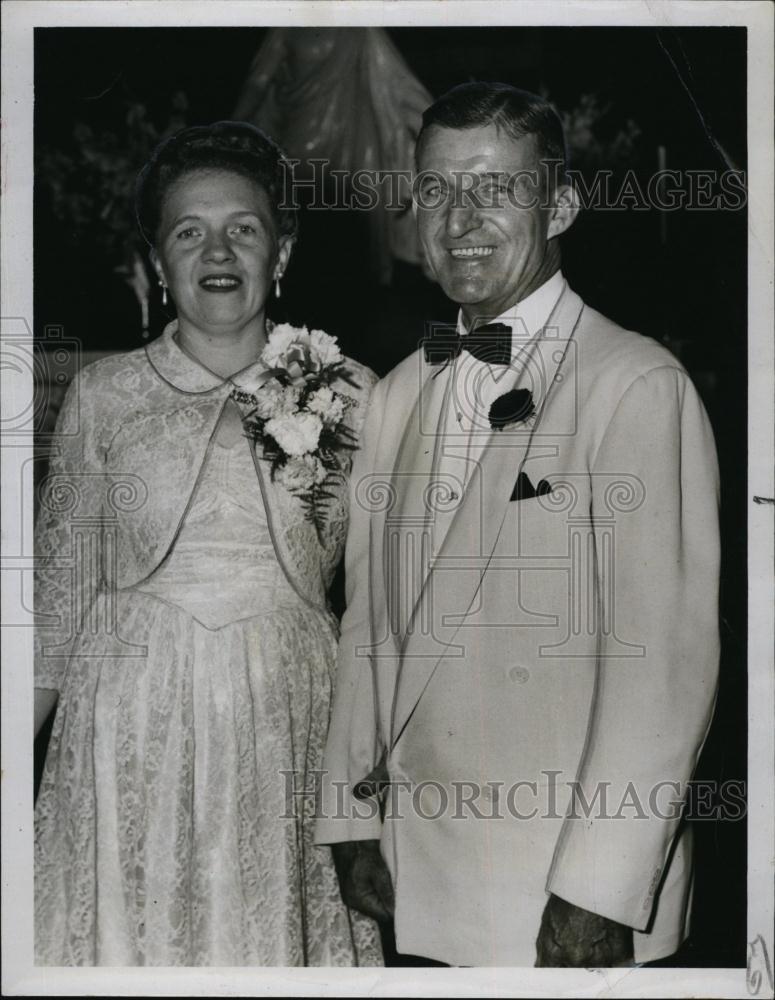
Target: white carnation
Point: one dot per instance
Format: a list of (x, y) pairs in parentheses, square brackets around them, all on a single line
[(276, 400), (296, 433), (325, 348), (281, 339), (301, 474), (328, 404)]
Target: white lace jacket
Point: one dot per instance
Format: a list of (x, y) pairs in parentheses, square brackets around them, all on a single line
[(131, 439)]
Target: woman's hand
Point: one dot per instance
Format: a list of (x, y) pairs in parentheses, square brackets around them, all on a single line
[(45, 699)]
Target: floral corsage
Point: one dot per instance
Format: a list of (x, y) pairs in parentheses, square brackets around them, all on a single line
[(297, 418)]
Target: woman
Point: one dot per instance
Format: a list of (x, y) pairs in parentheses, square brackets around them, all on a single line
[(184, 625)]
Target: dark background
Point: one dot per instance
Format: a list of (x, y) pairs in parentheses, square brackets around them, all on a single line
[(681, 279)]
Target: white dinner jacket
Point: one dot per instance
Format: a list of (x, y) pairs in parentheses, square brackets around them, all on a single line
[(543, 683)]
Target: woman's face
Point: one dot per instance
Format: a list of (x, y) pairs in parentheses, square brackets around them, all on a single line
[(218, 251)]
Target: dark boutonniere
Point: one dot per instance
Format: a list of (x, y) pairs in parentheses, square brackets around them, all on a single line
[(512, 407)]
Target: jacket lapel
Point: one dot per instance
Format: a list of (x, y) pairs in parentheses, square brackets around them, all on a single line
[(457, 572), (406, 538)]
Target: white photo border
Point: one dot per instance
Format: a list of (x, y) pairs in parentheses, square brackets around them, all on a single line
[(20, 976)]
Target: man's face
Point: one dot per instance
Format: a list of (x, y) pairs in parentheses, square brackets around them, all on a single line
[(488, 248)]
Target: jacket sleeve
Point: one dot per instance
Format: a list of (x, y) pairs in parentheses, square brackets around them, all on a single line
[(353, 746), (68, 535), (652, 708)]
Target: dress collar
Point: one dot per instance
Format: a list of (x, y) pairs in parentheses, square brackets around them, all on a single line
[(185, 373)]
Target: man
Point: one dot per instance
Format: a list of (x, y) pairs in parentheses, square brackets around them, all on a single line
[(530, 647)]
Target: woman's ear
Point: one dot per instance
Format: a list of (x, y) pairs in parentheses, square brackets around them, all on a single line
[(283, 255), (156, 264), (565, 208)]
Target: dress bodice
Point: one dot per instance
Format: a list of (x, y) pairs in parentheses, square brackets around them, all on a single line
[(132, 437), (223, 566)]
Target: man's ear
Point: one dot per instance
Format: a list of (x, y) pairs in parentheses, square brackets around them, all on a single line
[(565, 208)]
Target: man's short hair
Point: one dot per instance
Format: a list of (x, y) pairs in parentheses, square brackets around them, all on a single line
[(517, 112)]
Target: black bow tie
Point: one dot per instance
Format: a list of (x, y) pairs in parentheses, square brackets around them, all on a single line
[(490, 343)]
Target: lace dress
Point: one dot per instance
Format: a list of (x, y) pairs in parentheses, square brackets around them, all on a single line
[(170, 824)]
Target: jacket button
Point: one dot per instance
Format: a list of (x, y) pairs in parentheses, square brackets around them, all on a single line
[(519, 675)]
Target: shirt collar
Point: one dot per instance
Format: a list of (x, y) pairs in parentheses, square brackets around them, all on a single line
[(529, 315), (185, 373)]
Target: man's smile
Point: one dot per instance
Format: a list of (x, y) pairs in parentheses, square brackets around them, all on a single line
[(469, 253)]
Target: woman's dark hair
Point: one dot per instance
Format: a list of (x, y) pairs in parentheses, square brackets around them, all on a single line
[(234, 146), (517, 112)]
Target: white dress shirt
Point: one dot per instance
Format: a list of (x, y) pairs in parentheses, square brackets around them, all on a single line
[(475, 385)]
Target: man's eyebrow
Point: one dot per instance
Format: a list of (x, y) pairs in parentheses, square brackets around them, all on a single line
[(465, 172)]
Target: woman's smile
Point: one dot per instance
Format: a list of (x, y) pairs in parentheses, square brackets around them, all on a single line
[(219, 252), (220, 283)]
